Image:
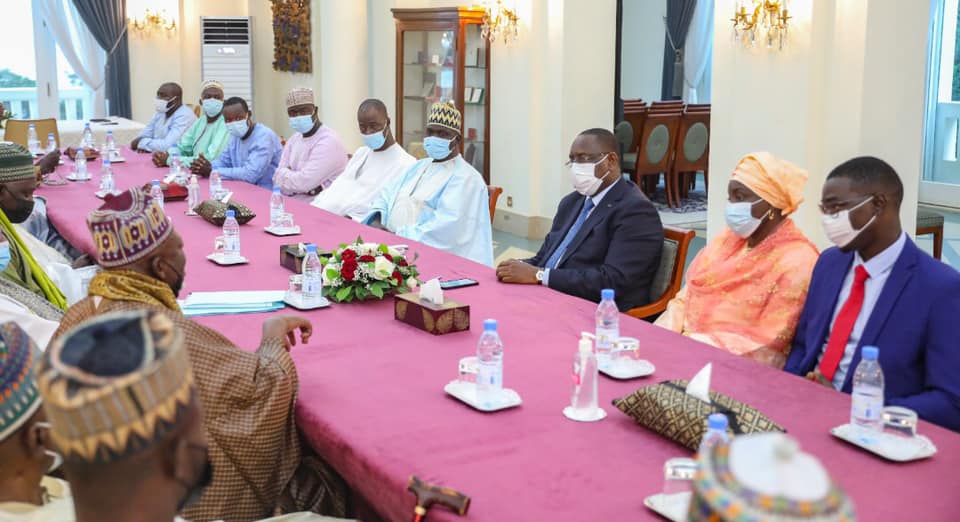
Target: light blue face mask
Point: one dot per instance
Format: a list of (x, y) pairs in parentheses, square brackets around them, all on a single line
[(212, 107), (302, 124), (237, 128), (437, 148), (375, 140), (4, 256)]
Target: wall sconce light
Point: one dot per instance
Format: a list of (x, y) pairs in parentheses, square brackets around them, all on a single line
[(153, 20), (765, 19), (499, 21)]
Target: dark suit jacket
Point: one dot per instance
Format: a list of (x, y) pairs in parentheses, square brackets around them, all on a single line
[(914, 323), (617, 247)]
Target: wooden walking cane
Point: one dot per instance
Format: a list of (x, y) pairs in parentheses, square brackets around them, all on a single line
[(429, 494)]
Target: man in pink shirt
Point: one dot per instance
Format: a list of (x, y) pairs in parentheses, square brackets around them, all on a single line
[(314, 156)]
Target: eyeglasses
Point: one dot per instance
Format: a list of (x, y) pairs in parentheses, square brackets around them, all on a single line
[(587, 158), (835, 207)]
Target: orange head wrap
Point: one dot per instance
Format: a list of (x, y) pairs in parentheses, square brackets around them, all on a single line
[(777, 181)]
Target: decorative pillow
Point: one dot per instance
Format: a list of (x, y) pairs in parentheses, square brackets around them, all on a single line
[(667, 409), (216, 212)]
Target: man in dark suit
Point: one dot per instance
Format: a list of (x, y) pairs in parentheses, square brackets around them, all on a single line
[(606, 234), (878, 289)]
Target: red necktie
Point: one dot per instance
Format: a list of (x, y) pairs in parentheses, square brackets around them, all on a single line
[(844, 325)]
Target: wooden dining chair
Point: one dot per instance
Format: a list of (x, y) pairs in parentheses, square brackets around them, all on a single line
[(669, 277), (692, 152), (16, 131), (656, 151), (494, 194)]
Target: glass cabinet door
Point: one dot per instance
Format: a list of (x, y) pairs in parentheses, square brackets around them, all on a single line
[(428, 77), (475, 97)]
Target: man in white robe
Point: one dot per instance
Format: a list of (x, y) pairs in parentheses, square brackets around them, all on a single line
[(441, 201), (379, 161)]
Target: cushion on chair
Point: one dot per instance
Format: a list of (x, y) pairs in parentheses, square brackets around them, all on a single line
[(629, 161), (928, 219), (657, 144), (664, 276), (695, 142), (624, 133)]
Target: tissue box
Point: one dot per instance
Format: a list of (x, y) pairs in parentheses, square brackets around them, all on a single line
[(449, 317), (292, 259)]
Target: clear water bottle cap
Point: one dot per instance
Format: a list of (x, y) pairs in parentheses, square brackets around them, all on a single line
[(106, 160), (174, 153), (311, 249), (871, 353), (606, 293), (231, 213), (717, 421), (80, 148), (490, 325), (50, 135), (276, 188), (155, 183), (32, 126), (87, 125), (109, 133)]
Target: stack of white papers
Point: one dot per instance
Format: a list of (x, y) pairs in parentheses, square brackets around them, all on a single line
[(229, 303)]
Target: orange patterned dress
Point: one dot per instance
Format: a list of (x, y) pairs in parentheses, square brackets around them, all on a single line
[(744, 300)]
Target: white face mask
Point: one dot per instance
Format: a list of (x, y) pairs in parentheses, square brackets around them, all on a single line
[(740, 218), (161, 105), (585, 180), (840, 230)]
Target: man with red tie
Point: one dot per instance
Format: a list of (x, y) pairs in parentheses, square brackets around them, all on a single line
[(878, 289)]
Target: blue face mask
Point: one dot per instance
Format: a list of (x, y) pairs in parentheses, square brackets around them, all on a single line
[(437, 148), (375, 140), (237, 128), (212, 107), (4, 256), (302, 124)]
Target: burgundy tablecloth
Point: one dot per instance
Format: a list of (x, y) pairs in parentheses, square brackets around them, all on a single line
[(372, 401)]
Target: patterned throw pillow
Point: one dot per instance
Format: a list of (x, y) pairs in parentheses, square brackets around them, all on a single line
[(216, 212)]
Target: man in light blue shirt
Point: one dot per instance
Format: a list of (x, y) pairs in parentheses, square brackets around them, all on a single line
[(172, 119), (253, 152)]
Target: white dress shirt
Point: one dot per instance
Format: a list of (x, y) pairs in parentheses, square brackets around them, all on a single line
[(879, 268)]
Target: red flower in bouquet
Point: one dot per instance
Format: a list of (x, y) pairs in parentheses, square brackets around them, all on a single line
[(367, 259), (348, 254), (398, 277), (402, 263)]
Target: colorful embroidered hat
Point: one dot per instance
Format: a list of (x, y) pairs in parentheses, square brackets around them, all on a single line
[(300, 96), (19, 398), (16, 163), (115, 385), (445, 114), (211, 83), (127, 227)]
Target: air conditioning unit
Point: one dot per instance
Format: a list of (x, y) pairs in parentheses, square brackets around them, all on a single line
[(227, 54)]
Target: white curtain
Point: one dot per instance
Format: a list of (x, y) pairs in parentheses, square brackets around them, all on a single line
[(698, 54), (79, 47)]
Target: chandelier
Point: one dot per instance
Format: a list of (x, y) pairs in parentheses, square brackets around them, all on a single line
[(151, 20), (766, 20), (500, 22)]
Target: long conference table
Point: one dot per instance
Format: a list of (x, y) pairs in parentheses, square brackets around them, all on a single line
[(372, 404)]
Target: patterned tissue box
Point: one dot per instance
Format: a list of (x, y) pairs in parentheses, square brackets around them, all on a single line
[(449, 317)]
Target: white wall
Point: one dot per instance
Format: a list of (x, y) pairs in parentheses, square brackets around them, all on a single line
[(641, 58), (850, 83)]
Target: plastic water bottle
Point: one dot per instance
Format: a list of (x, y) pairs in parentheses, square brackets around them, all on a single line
[(231, 236), (51, 143), (490, 374), (87, 140), (33, 142), (80, 163), (608, 326), (106, 177), (176, 172), (584, 399), (312, 281), (216, 185), (716, 432), (276, 206), (867, 391), (109, 143), (156, 192), (193, 194)]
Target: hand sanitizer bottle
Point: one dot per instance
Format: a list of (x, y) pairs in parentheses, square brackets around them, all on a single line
[(584, 402)]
